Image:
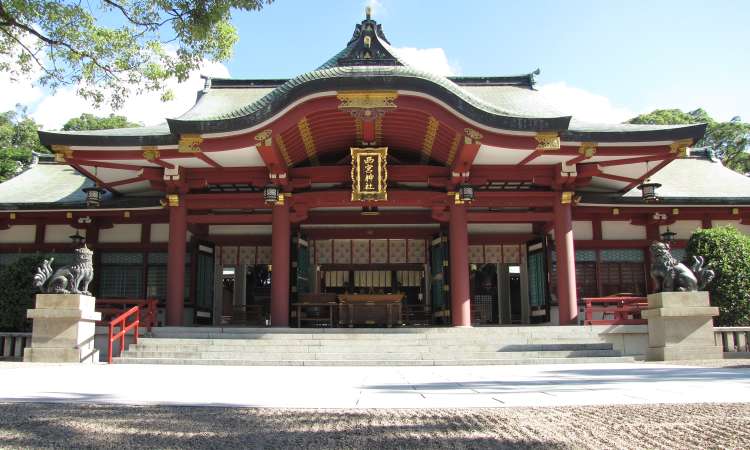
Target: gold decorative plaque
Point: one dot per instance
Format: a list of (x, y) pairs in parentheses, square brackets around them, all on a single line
[(369, 174)]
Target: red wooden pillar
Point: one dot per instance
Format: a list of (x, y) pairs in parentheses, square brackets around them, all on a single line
[(566, 269), (280, 243), (176, 261), (458, 239)]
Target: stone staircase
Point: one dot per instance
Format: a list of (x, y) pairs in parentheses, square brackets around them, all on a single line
[(372, 347)]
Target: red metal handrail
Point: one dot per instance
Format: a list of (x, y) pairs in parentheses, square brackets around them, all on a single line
[(108, 307), (124, 328), (624, 310)]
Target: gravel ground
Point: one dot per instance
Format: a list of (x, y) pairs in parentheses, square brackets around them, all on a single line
[(35, 425)]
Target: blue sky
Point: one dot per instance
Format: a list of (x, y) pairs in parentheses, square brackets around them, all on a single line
[(601, 59)]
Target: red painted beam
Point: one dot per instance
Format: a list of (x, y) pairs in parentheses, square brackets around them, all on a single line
[(641, 159), (497, 239), (534, 155), (385, 217), (368, 130), (273, 160), (104, 164), (464, 159), (509, 217), (222, 219), (370, 233), (611, 176), (648, 174)]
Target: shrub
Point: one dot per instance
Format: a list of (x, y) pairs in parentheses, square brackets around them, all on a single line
[(727, 252), (17, 293)]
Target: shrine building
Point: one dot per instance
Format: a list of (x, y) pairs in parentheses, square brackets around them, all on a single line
[(454, 200)]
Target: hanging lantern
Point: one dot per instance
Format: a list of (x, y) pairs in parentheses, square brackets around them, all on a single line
[(271, 193), (93, 196), (77, 239), (465, 192), (648, 190), (668, 236)]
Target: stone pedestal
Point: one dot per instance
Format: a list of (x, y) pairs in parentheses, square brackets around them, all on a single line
[(63, 329), (680, 327)]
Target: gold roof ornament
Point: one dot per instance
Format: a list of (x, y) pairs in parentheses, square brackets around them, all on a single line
[(472, 136), (367, 99), (150, 153), (680, 147), (190, 143), (587, 149), (173, 200), (62, 152), (547, 141), (264, 138)]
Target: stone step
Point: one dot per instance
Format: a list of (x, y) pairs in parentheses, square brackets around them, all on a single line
[(381, 331), (450, 349), (302, 355), (373, 362), (372, 341), (347, 334)]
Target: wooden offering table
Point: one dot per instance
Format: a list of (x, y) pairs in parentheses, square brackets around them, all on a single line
[(316, 309), (370, 309)]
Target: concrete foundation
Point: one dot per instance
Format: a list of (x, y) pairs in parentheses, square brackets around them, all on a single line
[(680, 327), (63, 329)]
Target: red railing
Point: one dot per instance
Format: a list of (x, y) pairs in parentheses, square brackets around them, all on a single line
[(623, 310), (121, 320), (111, 308)]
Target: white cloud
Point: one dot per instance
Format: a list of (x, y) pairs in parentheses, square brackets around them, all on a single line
[(432, 60), (21, 91), (582, 104), (146, 108), (21, 88)]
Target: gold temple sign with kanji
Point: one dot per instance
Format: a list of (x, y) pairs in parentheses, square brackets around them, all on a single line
[(369, 174)]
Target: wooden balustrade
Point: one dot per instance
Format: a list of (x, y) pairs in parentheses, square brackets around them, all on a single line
[(615, 310)]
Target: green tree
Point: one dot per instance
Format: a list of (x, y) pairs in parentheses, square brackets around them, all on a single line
[(91, 122), (110, 48), (730, 140), (727, 252), (17, 294), (18, 139)]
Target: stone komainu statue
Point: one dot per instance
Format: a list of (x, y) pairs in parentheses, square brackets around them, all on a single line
[(671, 275), (72, 279)]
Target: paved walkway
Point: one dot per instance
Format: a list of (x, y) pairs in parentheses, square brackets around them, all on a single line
[(374, 387)]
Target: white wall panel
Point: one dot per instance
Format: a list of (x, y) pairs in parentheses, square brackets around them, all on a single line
[(121, 233), (19, 234), (683, 228), (60, 234), (622, 230), (583, 229), (159, 232)]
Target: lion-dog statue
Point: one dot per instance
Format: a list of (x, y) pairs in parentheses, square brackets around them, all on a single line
[(671, 275), (72, 279)]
